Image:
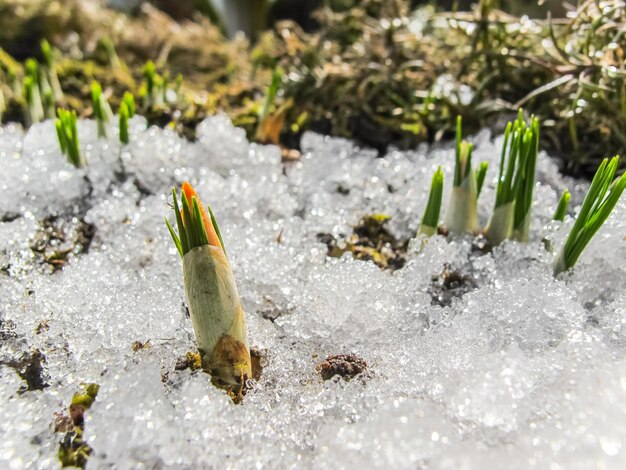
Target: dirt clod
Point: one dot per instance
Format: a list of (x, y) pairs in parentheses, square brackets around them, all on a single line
[(30, 368), (347, 366)]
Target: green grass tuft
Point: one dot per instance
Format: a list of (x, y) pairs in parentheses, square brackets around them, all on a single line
[(601, 198)]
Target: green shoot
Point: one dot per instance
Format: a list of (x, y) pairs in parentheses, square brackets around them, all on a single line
[(462, 213), (109, 49), (481, 172), (123, 123), (430, 220), (526, 185), (516, 181), (47, 99), (272, 91), (153, 90), (101, 109), (34, 106), (561, 208), (191, 229), (48, 56), (68, 137), (601, 198), (129, 100), (461, 167), (46, 51)]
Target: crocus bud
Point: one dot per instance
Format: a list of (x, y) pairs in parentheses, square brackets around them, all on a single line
[(217, 316)]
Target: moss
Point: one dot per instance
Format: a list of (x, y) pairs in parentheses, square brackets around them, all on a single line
[(73, 450)]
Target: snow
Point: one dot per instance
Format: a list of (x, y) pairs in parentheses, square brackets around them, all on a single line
[(524, 371)]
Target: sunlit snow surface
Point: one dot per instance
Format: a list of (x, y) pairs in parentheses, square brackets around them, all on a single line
[(524, 372)]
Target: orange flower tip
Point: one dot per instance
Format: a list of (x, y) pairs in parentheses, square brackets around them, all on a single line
[(212, 236), (189, 192)]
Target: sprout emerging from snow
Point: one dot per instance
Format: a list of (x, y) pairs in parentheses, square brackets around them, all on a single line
[(68, 137), (512, 211), (430, 220), (123, 123), (462, 215), (600, 200), (101, 109), (129, 100), (217, 315), (32, 95), (48, 55), (561, 208)]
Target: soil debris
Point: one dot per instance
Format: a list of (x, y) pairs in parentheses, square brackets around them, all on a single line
[(30, 368), (346, 366), (191, 361), (58, 239), (370, 241)]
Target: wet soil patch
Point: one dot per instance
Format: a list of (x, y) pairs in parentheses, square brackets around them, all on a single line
[(449, 285), (346, 366), (30, 368), (370, 241), (58, 239)]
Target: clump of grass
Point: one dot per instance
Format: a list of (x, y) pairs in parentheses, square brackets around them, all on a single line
[(67, 135), (512, 210), (462, 215), (601, 198), (430, 220), (101, 109), (561, 208)]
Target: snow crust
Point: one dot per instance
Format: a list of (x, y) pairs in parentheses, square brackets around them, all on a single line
[(524, 371)]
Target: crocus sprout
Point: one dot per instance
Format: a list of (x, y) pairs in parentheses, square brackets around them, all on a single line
[(109, 49), (430, 220), (153, 91), (129, 100), (126, 111), (561, 208), (481, 173), (32, 95), (48, 55), (123, 115), (462, 215), (516, 181), (101, 109), (599, 201), (68, 137), (217, 316)]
